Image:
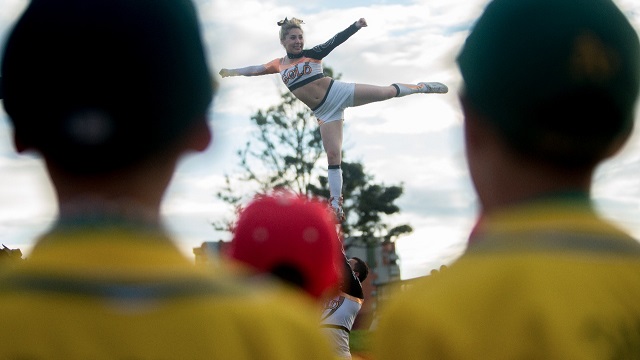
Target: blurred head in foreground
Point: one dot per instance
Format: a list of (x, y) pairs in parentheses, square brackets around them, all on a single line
[(293, 238), (101, 88), (554, 84), (112, 93), (549, 92)]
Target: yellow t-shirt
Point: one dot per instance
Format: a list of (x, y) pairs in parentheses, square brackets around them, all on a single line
[(123, 294), (543, 282)]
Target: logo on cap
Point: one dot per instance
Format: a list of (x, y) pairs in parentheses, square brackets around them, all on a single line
[(592, 60)]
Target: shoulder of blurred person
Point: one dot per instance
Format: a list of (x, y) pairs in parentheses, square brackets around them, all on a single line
[(123, 293), (531, 287)]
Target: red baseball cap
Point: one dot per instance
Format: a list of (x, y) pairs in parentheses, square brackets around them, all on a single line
[(290, 230)]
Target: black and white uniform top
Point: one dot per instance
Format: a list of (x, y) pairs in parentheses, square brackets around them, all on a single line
[(308, 66)]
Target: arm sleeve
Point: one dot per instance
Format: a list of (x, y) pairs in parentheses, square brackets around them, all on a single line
[(320, 51), (272, 67), (350, 283), (256, 70)]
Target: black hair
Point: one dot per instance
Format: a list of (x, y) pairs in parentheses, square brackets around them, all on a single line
[(290, 274), (361, 268)]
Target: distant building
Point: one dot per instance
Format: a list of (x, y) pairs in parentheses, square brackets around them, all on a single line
[(209, 252), (7, 254), (384, 270)]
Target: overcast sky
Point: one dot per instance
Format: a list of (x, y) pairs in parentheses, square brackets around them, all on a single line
[(415, 141)]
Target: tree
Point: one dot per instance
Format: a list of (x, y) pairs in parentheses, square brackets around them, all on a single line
[(286, 152)]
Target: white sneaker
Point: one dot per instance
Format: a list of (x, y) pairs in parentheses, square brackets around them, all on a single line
[(336, 205), (433, 88)]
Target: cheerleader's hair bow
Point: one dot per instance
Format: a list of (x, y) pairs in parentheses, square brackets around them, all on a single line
[(293, 20)]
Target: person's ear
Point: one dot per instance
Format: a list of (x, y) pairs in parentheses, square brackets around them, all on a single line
[(471, 127), (20, 145), (200, 135), (617, 145)]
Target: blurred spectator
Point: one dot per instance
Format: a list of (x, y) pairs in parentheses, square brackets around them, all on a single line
[(293, 238), (549, 93), (112, 94)]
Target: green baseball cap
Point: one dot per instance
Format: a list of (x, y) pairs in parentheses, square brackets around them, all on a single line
[(557, 77), (101, 85)]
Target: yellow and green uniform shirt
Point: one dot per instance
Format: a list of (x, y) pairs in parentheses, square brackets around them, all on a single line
[(547, 280), (118, 293)]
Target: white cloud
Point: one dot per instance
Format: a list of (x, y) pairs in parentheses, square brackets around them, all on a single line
[(10, 11), (27, 199)]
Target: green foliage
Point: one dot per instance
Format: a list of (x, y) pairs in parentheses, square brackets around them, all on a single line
[(359, 341)]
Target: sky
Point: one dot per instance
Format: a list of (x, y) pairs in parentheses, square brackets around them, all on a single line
[(415, 141)]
